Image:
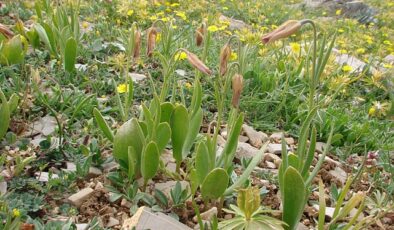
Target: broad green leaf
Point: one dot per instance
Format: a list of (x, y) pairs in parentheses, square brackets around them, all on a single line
[(166, 111), (194, 129), (13, 102), (293, 160), (148, 119), (12, 51), (293, 197), (70, 55), (103, 124), (129, 134), (163, 135), (4, 115), (202, 162), (33, 38), (150, 161), (132, 161), (179, 129), (194, 182), (214, 184), (232, 142)]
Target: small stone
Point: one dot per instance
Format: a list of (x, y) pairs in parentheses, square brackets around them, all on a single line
[(109, 167), (289, 140), (221, 141), (3, 187), (353, 212), (228, 216), (339, 174), (78, 198), (167, 186), (99, 186), (207, 215), (125, 203), (329, 211), (276, 148), (94, 172), (331, 161), (243, 139), (144, 218), (255, 138), (171, 166), (320, 146), (82, 226), (270, 165), (276, 136), (112, 222), (234, 24), (301, 226), (70, 167), (389, 59), (245, 150), (136, 77), (44, 176)]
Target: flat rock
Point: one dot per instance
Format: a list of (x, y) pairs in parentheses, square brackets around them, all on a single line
[(144, 218), (339, 174), (207, 215), (78, 198), (276, 148), (112, 222), (221, 141), (289, 140), (136, 77), (320, 146), (329, 211), (82, 226), (234, 24), (111, 166), (356, 64), (331, 161), (277, 136), (389, 59), (44, 176), (301, 226), (94, 172), (245, 150), (256, 138), (3, 187), (243, 139), (45, 125), (270, 157), (167, 186)]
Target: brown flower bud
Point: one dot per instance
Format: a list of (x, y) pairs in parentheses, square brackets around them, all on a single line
[(237, 85), (200, 35), (225, 54), (151, 41), (6, 31), (285, 30), (197, 63), (137, 44)]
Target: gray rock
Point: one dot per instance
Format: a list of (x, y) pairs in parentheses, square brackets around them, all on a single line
[(207, 215), (144, 218), (276, 148), (136, 77), (339, 174), (245, 150), (277, 136), (111, 166), (389, 59), (78, 198), (94, 172), (112, 222), (166, 187), (82, 226), (356, 64), (301, 226), (234, 24), (255, 138), (3, 187), (243, 139), (44, 176)]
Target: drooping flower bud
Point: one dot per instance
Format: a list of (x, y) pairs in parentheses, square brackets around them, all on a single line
[(197, 63), (200, 32), (137, 44), (285, 30), (237, 86), (6, 31), (225, 54), (151, 41)]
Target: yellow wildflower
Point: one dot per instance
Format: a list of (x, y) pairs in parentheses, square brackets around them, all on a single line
[(180, 56), (153, 18), (188, 85), (295, 47), (387, 42), (85, 25), (130, 12), (174, 4), (371, 111), (16, 212), (213, 28), (379, 109), (343, 51), (122, 88), (181, 15), (233, 56), (360, 50), (338, 12), (158, 37), (341, 30), (387, 65), (347, 68)]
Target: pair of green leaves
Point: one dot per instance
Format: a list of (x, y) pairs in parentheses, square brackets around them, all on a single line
[(13, 51), (6, 108)]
